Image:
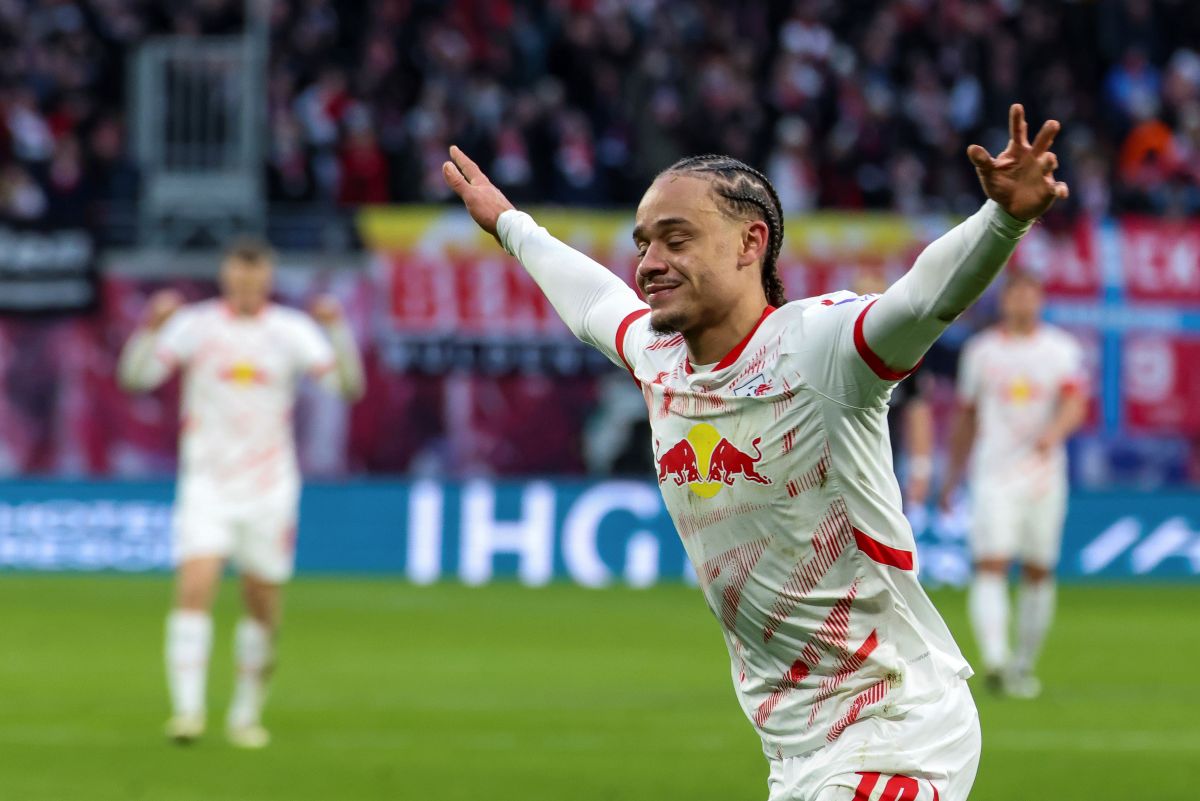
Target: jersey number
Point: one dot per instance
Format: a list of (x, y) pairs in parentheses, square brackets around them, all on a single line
[(898, 788)]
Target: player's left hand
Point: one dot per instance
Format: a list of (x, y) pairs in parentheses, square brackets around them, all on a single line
[(326, 310), (1021, 179)]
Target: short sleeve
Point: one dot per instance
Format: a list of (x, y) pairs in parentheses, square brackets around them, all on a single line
[(970, 374), (1074, 373), (310, 347)]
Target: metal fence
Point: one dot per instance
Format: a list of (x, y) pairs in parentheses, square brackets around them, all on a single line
[(198, 122)]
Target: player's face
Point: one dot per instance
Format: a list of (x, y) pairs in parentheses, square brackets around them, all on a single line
[(246, 283), (1021, 304), (688, 250)]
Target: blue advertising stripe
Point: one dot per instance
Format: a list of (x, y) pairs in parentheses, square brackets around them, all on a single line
[(590, 532), (1112, 256)]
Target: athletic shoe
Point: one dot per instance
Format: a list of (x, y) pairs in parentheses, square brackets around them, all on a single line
[(252, 736), (1022, 685), (184, 729)]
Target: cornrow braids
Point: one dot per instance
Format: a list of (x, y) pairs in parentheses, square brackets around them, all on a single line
[(747, 193)]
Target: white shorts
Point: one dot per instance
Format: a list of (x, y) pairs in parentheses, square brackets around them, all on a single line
[(930, 753), (1022, 523), (260, 538)]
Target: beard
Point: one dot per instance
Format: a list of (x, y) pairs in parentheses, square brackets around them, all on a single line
[(666, 322)]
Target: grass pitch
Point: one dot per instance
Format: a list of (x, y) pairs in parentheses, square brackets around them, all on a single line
[(388, 691)]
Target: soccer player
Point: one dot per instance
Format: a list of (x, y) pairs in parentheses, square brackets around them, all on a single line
[(1021, 394), (239, 485), (769, 431)]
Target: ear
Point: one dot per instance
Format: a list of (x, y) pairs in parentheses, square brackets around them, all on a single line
[(753, 248)]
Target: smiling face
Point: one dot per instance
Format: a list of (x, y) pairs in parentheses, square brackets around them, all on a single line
[(696, 261)]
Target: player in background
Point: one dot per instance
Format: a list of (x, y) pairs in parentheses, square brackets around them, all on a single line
[(1021, 392), (238, 489), (768, 422)]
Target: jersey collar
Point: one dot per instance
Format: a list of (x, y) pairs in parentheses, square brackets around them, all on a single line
[(733, 355)]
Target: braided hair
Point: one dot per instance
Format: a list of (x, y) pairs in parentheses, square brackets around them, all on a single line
[(745, 193)]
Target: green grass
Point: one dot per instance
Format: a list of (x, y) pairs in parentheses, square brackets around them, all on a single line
[(386, 691)]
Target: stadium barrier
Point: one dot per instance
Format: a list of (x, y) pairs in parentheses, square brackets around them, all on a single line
[(592, 533)]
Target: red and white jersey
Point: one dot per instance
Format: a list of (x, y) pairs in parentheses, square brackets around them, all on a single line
[(776, 468), (1015, 384), (240, 376)]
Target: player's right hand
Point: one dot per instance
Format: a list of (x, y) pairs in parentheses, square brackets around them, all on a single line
[(1021, 179), (485, 203), (162, 305)]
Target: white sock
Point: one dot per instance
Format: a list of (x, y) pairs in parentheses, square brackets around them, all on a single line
[(1035, 611), (987, 605), (253, 655), (189, 640)]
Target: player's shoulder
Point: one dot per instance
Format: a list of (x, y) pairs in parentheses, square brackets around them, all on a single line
[(280, 316), (819, 307), (821, 311), (823, 304), (1067, 348), (1056, 336), (993, 336), (200, 311)]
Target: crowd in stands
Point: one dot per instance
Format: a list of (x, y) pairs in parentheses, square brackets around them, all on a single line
[(857, 105)]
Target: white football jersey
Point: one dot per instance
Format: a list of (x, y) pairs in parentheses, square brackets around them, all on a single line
[(776, 468), (1015, 383), (239, 386)]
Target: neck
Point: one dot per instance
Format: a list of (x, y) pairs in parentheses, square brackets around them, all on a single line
[(1020, 327), (710, 344), (244, 310)]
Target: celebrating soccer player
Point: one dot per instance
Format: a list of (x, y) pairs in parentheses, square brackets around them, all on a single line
[(239, 485), (769, 431), (1020, 386)]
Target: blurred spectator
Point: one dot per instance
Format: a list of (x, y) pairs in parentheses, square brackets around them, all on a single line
[(852, 105), (363, 172), (791, 167)]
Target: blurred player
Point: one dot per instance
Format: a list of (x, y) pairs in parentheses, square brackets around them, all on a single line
[(770, 437), (239, 485), (1021, 394)]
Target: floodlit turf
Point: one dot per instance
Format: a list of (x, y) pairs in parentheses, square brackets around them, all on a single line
[(386, 691)]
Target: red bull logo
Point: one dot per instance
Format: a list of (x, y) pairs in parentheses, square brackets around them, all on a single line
[(707, 461), (243, 373)]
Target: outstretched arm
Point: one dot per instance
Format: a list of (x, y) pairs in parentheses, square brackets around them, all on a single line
[(955, 270), (587, 296)]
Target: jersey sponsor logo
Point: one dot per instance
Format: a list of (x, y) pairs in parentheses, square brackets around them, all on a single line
[(243, 373), (706, 461), (1021, 390)]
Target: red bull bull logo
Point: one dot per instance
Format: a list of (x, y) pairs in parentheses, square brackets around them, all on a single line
[(706, 461)]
